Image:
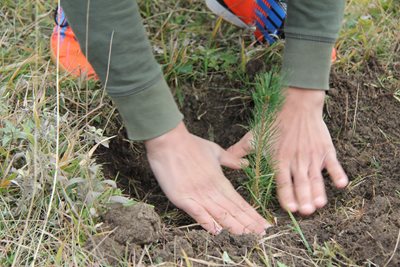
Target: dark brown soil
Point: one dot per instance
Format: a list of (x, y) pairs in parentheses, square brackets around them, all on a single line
[(360, 225), (127, 228)]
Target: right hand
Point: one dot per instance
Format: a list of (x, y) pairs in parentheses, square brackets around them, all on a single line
[(302, 148), (188, 169)]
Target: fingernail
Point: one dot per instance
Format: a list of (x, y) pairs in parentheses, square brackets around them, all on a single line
[(292, 207), (218, 228), (263, 233), (343, 181), (320, 202), (244, 163), (307, 209)]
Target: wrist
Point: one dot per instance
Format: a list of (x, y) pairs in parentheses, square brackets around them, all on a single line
[(304, 99), (167, 139)]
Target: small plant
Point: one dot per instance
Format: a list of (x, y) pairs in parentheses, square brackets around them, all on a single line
[(297, 229), (267, 99)]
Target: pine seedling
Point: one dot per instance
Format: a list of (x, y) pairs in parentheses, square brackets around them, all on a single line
[(267, 98)]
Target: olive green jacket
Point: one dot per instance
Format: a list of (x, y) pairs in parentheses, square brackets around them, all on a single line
[(135, 80)]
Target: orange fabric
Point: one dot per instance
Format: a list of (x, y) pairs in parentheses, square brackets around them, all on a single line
[(72, 60), (244, 9), (334, 55)]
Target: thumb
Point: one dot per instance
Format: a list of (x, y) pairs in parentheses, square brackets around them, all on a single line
[(231, 161), (243, 147)]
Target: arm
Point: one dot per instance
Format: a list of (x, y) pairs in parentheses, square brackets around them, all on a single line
[(187, 167), (303, 147), (135, 81), (311, 30)]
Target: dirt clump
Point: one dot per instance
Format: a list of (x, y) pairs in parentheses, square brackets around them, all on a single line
[(106, 249), (359, 226), (173, 249), (138, 223), (128, 227)]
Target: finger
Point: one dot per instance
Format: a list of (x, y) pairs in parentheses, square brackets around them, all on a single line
[(285, 189), (243, 147), (335, 170), (317, 186), (302, 188), (251, 218), (200, 215), (223, 217), (231, 161)]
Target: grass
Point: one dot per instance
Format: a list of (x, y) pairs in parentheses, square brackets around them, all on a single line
[(47, 212), (51, 192), (297, 229)]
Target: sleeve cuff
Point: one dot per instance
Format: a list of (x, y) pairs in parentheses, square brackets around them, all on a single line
[(307, 63), (150, 112)]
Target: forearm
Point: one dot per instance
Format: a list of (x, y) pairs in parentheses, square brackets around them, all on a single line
[(311, 30), (120, 52)]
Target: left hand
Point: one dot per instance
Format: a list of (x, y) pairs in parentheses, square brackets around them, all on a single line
[(188, 169)]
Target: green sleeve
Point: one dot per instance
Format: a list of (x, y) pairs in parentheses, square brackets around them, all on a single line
[(311, 30), (134, 80)]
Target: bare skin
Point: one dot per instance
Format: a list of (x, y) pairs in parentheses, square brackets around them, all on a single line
[(303, 148), (188, 169)]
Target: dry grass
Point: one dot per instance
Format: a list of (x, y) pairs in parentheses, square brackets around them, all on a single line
[(36, 229), (51, 188)]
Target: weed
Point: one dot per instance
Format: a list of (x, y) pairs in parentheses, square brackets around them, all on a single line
[(297, 229)]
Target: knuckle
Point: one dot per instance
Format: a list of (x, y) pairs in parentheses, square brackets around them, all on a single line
[(281, 157), (236, 212), (208, 226), (328, 147), (197, 212), (244, 206), (261, 222), (221, 216), (335, 171), (254, 227), (315, 178), (316, 155), (281, 165), (236, 230), (330, 155), (313, 151), (244, 149), (283, 200), (299, 155), (283, 183), (300, 178)]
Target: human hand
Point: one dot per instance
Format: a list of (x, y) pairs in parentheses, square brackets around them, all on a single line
[(188, 169), (302, 149)]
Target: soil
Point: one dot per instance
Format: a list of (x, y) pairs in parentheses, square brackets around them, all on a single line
[(359, 226), (128, 228)]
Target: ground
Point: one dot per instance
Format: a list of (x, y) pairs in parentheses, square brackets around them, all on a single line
[(211, 68), (360, 224)]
